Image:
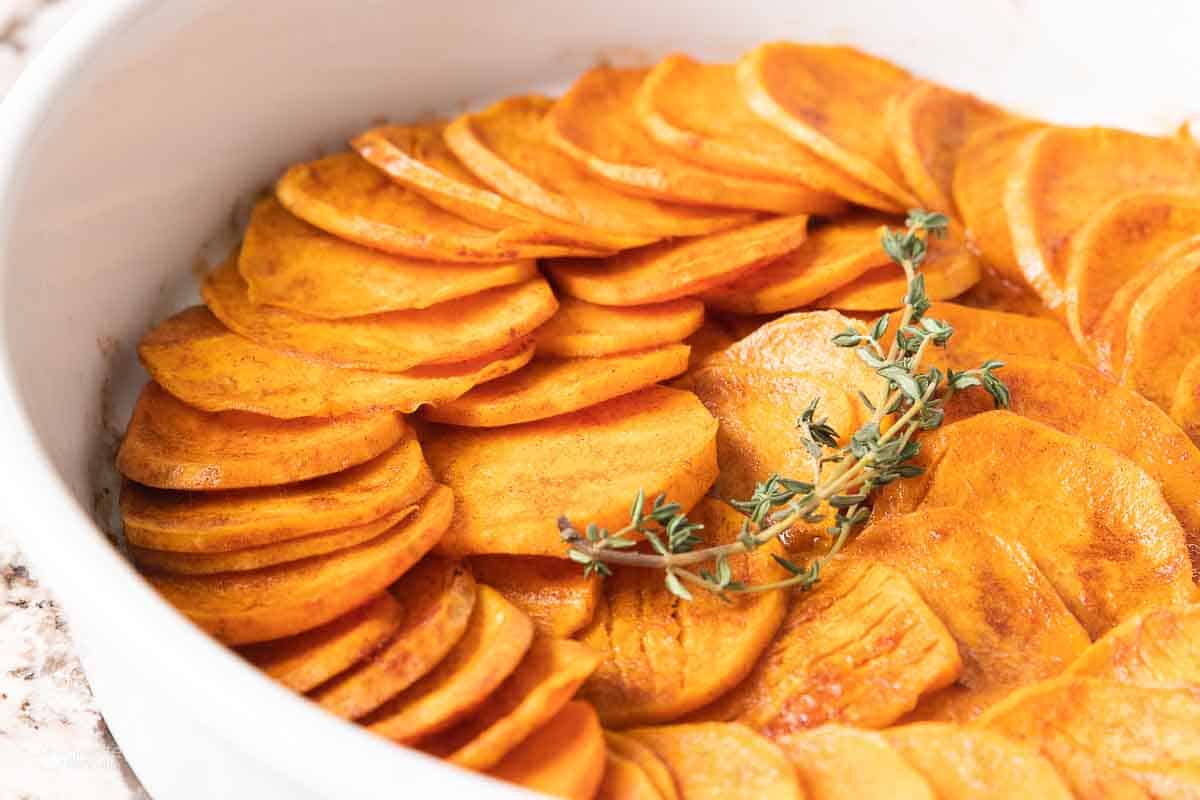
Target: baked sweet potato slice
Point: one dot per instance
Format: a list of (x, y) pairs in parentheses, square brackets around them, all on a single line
[(552, 591), (830, 99), (634, 750), (507, 147), (961, 761), (980, 334), (497, 637), (709, 339), (1164, 331), (215, 522), (200, 361), (460, 330), (716, 761), (170, 445), (670, 270), (996, 292), (697, 111), (624, 779), (514, 483), (532, 695), (595, 123), (580, 328), (308, 659), (248, 607), (664, 658), (438, 596), (1094, 522), (839, 763), (564, 758), (1157, 649), (859, 649), (1185, 405)]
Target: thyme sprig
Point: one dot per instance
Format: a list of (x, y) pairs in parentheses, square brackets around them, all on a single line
[(843, 477)]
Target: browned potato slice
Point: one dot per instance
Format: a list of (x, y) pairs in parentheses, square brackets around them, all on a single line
[(580, 328), (246, 607), (170, 445), (514, 483), (552, 591), (839, 763), (1185, 406), (655, 768), (1157, 649), (564, 758), (711, 338), (1164, 331), (980, 334)]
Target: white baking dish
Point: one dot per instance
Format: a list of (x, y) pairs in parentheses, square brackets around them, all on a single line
[(125, 148)]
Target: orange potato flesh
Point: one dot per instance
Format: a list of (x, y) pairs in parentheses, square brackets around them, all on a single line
[(496, 639), (554, 386), (1185, 406), (580, 328), (711, 338), (595, 124), (980, 334), (1094, 522), (839, 763), (671, 270), (830, 100), (552, 591), (564, 758), (534, 693), (1157, 649), (1163, 333), (507, 147), (345, 196), (514, 483), (664, 658), (308, 659), (223, 521), (717, 761), (697, 111), (247, 607), (634, 750), (624, 779), (459, 330), (438, 597), (290, 264), (170, 445), (200, 361), (859, 649)]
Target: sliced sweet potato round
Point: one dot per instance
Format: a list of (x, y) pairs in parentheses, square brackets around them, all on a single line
[(308, 659), (514, 483), (564, 758), (553, 386), (624, 779), (840, 763), (1158, 648), (438, 596), (697, 111), (663, 658), (1164, 331), (460, 330), (552, 591), (533, 694), (980, 334), (596, 125), (290, 264), (247, 607), (830, 99), (507, 147), (497, 637), (170, 445), (200, 361), (580, 328), (671, 270), (1185, 405), (655, 769)]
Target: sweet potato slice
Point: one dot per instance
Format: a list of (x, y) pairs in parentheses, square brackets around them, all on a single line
[(1157, 649), (651, 764), (460, 330), (671, 270), (580, 328), (996, 292), (170, 445), (552, 591), (709, 339), (1164, 331), (1094, 522), (534, 693), (839, 763), (1185, 405), (514, 483), (980, 334), (1105, 739), (564, 758), (345, 196), (624, 779), (214, 522), (860, 649), (664, 658), (438, 596), (290, 264), (961, 761), (247, 607), (697, 111), (497, 637), (830, 99), (596, 125), (200, 361), (308, 659), (716, 761)]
